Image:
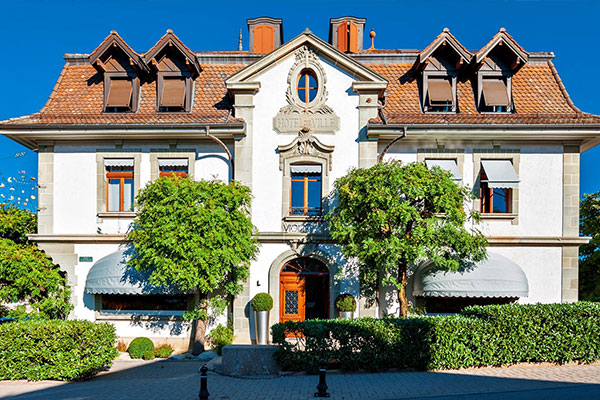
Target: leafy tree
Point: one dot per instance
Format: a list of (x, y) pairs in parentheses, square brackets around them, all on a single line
[(589, 263), (197, 236), (26, 273), (392, 217)]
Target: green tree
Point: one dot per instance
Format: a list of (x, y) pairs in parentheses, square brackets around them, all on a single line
[(26, 273), (589, 263), (392, 217), (196, 235)]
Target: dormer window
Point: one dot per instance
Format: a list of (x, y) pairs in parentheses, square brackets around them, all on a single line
[(346, 34), (176, 68), (440, 94), (494, 95)]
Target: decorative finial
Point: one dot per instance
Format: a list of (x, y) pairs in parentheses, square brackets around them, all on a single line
[(113, 32), (503, 29), (307, 31), (240, 48), (169, 30), (446, 30), (372, 35)]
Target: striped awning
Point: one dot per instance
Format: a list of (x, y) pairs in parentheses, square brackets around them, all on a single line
[(172, 162), (118, 162), (305, 169)]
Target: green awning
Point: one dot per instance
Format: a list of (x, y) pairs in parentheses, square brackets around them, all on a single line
[(110, 275), (495, 277)]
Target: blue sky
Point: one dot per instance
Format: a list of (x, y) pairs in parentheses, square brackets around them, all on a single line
[(38, 33)]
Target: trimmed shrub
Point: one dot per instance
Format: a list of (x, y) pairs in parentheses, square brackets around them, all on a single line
[(139, 346), (148, 355), (345, 303), (482, 335), (262, 302), (60, 350), (163, 351), (220, 337)]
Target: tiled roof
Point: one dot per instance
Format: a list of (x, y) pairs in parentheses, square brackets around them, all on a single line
[(78, 98), (538, 99)]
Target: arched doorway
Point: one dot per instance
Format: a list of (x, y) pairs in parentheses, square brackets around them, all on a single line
[(303, 290)]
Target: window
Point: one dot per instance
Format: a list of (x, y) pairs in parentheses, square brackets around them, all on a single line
[(305, 190), (494, 95), (170, 167), (307, 86), (440, 94), (498, 178), (118, 94), (119, 302), (119, 185), (173, 94)]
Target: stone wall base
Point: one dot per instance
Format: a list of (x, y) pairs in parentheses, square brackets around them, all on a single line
[(249, 360)]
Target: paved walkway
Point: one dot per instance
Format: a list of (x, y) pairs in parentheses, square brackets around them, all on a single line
[(180, 380)]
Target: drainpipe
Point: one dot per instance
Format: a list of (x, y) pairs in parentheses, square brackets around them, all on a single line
[(220, 143), (390, 144)]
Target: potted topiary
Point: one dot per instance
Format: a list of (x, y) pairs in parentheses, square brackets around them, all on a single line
[(262, 303), (346, 305)]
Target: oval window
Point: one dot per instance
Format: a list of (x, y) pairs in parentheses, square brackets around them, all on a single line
[(307, 86)]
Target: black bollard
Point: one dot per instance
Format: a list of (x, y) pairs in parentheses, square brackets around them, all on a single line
[(322, 386), (203, 395)]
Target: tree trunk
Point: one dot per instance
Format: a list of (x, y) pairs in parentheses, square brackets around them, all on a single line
[(402, 291), (199, 337)]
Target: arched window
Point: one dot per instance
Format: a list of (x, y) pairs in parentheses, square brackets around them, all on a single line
[(307, 86)]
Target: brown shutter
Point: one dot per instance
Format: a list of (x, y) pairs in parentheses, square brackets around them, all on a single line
[(173, 93), (264, 39), (494, 92), (119, 93), (353, 45), (439, 90), (342, 36)]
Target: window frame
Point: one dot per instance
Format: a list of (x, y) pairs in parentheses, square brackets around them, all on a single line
[(189, 91), (306, 208), (121, 176), (135, 90), (486, 195), (425, 102), (102, 155), (499, 75)]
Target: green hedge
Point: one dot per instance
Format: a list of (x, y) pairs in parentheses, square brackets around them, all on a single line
[(488, 335), (62, 350)]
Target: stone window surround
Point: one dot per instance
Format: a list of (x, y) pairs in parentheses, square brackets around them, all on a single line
[(156, 154), (103, 154), (287, 182), (444, 154), (514, 155)]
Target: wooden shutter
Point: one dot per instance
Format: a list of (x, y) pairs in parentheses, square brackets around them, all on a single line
[(264, 39), (353, 45), (342, 36), (119, 93), (495, 93), (173, 93)]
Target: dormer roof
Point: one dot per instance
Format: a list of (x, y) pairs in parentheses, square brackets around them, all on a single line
[(500, 39), (171, 40), (112, 42), (445, 38)]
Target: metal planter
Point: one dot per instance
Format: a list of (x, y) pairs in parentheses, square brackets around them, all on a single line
[(347, 314), (261, 325)]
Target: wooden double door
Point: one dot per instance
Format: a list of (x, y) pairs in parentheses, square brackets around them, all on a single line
[(303, 290)]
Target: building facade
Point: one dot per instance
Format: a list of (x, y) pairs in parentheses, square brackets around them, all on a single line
[(287, 119)]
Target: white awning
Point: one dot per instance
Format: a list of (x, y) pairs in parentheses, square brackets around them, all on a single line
[(118, 162), (172, 162), (305, 169), (500, 174), (449, 165), (111, 275), (495, 277)]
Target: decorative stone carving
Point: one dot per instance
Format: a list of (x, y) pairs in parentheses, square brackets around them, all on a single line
[(297, 115), (304, 147)]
